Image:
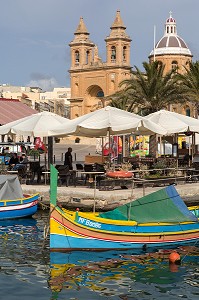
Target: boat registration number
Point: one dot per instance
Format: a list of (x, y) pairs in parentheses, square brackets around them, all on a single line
[(89, 223)]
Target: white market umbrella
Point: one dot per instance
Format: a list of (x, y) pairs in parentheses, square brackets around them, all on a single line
[(174, 122), (36, 125), (108, 120)]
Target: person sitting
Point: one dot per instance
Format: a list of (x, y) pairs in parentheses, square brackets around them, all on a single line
[(13, 161), (186, 160), (22, 165)]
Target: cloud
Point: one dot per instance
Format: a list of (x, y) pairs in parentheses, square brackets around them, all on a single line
[(46, 43), (45, 82)]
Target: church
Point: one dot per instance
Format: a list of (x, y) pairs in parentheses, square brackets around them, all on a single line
[(92, 80)]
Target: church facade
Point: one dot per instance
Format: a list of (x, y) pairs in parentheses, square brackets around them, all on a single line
[(92, 80)]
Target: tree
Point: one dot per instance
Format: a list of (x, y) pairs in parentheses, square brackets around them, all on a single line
[(190, 83), (122, 101), (152, 90)]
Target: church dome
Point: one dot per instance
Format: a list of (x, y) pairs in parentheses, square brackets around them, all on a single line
[(171, 43)]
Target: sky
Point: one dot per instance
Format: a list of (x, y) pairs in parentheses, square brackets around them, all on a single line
[(35, 34)]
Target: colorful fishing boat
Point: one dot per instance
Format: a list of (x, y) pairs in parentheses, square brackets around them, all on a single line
[(13, 203), (158, 220)]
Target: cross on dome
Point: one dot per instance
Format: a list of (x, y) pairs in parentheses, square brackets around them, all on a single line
[(171, 43)]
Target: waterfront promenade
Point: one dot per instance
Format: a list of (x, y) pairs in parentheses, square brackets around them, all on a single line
[(84, 197)]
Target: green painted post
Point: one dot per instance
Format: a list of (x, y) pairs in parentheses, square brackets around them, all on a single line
[(53, 185)]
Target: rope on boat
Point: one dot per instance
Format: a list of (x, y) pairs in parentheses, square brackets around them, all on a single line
[(46, 231), (189, 250), (43, 206), (45, 234), (65, 229)]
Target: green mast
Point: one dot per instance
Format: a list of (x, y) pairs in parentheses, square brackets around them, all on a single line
[(53, 185)]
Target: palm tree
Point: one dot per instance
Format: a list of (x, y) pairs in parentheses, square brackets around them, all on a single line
[(149, 91), (152, 90), (122, 101), (190, 83)]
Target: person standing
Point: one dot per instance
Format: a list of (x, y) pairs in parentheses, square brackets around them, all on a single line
[(69, 159)]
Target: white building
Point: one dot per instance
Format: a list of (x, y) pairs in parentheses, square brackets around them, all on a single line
[(56, 101)]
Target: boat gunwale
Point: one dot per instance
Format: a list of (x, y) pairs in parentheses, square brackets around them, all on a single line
[(29, 197), (71, 217), (120, 233)]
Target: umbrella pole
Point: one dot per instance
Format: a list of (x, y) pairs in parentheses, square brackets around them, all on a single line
[(161, 146), (109, 146), (50, 151), (45, 159), (123, 147), (102, 143), (193, 145)]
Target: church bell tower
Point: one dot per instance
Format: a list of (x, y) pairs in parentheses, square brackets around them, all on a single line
[(92, 79)]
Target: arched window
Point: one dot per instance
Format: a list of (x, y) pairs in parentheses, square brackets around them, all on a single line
[(124, 53), (113, 53), (100, 94), (76, 57), (188, 112), (87, 57), (174, 65), (167, 29)]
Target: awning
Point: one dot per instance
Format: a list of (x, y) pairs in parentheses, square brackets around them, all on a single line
[(13, 109)]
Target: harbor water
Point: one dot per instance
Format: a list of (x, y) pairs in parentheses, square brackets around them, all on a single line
[(29, 271)]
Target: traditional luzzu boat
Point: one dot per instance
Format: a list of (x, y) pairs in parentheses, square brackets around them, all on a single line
[(13, 203), (158, 220)]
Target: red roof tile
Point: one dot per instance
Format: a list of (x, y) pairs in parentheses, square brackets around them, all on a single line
[(13, 109)]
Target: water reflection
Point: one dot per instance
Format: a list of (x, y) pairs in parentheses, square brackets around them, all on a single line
[(122, 274), (22, 253), (32, 271)]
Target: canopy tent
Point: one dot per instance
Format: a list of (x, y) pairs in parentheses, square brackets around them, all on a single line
[(108, 120), (164, 205), (174, 122)]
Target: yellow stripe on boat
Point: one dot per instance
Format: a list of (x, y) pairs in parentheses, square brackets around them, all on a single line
[(57, 228)]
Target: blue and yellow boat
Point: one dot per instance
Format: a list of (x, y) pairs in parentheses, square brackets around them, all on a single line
[(158, 220), (13, 203)]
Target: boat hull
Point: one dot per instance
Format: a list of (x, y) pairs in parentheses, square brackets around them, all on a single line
[(73, 231), (19, 208)]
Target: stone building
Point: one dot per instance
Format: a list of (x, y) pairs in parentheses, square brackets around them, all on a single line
[(173, 52), (56, 101), (92, 79)]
